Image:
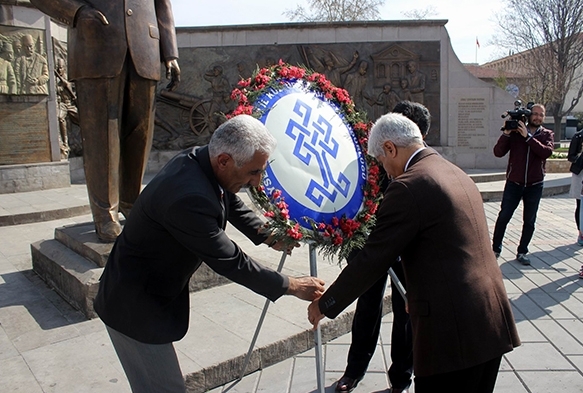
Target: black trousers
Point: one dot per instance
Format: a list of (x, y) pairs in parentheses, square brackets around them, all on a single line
[(477, 379), (365, 333)]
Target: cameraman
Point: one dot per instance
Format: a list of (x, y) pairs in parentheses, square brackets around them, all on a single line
[(529, 145)]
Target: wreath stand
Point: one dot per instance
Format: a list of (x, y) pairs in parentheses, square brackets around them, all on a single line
[(317, 333)]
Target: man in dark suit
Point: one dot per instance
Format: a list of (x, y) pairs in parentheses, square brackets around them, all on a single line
[(177, 223), (432, 216), (115, 52)]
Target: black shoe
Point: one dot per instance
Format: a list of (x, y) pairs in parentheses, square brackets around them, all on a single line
[(347, 384)]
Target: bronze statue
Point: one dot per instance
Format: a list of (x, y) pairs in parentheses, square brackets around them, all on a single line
[(115, 51)]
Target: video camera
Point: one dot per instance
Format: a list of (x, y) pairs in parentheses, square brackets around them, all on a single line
[(518, 113)]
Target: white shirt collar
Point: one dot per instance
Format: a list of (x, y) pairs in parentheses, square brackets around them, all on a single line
[(413, 155)]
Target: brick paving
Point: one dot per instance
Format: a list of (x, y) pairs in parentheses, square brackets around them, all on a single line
[(46, 346)]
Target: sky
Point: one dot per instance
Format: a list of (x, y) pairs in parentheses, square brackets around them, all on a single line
[(468, 21)]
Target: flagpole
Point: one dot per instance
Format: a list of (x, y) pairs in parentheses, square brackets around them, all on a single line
[(477, 50)]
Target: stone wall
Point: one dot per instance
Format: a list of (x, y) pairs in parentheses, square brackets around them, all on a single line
[(466, 111), (557, 165), (29, 137), (33, 177)]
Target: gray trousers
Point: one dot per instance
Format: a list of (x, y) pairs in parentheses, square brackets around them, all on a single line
[(150, 368)]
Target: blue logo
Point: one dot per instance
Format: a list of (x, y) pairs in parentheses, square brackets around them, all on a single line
[(318, 164)]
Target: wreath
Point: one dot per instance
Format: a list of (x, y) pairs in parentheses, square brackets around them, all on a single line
[(341, 234)]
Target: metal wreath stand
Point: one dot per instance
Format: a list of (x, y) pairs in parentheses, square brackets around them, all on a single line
[(317, 333)]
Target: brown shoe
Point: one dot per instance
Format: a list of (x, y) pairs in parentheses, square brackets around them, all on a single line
[(347, 384), (107, 232)]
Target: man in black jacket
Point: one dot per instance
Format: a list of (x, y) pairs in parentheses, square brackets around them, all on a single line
[(178, 222), (529, 145), (575, 157)]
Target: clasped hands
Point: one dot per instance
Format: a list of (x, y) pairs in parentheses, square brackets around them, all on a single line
[(305, 288), (308, 288)]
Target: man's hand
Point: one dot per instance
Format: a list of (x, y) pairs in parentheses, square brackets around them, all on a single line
[(314, 314), (173, 74), (306, 288), (88, 12), (522, 129), (281, 245)]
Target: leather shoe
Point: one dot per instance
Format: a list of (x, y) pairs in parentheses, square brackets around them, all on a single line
[(108, 232), (347, 384), (397, 390)]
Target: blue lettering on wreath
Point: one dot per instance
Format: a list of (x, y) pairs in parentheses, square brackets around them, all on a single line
[(314, 141)]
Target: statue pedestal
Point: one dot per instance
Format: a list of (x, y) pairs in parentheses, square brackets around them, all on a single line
[(73, 261)]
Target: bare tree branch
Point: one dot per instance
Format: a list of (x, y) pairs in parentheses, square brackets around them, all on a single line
[(336, 11), (547, 37), (421, 13)]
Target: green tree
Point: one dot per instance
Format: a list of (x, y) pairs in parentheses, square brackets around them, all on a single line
[(547, 37), (336, 11)]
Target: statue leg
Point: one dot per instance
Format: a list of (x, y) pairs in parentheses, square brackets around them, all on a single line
[(136, 137), (100, 111)]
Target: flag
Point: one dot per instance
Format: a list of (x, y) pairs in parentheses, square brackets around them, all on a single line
[(477, 42)]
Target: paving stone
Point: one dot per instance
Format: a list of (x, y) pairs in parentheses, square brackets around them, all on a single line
[(36, 324), (537, 357), (527, 307), (560, 337), (550, 305), (17, 377), (508, 382), (553, 381), (528, 332), (276, 378), (81, 364)]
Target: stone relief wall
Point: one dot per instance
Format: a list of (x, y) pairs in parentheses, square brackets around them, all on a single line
[(23, 65), (377, 75), (24, 76)]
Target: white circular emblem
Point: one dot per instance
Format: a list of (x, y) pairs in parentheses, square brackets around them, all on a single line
[(318, 164)]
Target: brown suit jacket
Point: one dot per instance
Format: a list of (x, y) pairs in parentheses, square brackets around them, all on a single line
[(145, 29), (433, 217)]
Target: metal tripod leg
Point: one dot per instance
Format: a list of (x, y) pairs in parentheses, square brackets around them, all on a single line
[(317, 334), (259, 324)]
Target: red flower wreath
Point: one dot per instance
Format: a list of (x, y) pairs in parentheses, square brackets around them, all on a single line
[(343, 234)]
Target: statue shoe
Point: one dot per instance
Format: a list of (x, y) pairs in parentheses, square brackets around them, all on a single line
[(107, 232)]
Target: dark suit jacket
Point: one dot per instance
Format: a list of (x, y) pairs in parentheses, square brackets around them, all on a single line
[(433, 217), (145, 29), (176, 224)]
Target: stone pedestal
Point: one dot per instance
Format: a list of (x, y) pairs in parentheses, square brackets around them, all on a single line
[(73, 261)]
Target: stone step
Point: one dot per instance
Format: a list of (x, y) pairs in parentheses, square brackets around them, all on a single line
[(70, 262), (82, 239), (74, 278)]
